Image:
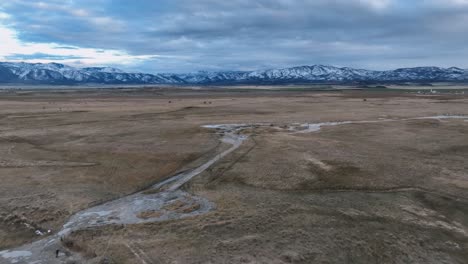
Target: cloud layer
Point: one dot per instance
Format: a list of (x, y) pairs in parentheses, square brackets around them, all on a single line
[(185, 35)]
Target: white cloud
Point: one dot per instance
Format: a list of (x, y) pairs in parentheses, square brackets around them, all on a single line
[(10, 46), (376, 4), (458, 2), (4, 16), (449, 3)]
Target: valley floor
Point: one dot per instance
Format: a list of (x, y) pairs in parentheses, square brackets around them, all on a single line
[(384, 179)]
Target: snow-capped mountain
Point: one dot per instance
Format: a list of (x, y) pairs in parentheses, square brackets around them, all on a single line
[(54, 73), (321, 73), (204, 77)]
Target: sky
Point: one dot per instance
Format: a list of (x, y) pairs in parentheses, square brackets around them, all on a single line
[(215, 35)]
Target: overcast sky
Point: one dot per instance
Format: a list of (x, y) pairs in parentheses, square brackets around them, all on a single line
[(191, 35)]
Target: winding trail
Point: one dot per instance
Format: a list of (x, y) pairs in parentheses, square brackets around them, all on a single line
[(162, 201)]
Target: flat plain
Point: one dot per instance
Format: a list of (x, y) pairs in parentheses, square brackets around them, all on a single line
[(383, 179)]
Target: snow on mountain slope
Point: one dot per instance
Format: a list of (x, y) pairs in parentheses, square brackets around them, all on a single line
[(310, 73), (55, 73), (103, 69)]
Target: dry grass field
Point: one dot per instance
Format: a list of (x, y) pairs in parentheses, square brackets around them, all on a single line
[(392, 189)]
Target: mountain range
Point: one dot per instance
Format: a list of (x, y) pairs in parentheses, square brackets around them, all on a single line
[(55, 73)]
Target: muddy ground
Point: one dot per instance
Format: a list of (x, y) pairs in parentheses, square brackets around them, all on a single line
[(379, 192)]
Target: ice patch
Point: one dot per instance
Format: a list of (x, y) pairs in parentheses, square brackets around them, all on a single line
[(314, 127), (226, 126), (444, 117), (15, 255), (317, 126), (97, 213)]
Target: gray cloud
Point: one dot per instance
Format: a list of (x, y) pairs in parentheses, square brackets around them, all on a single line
[(242, 34)]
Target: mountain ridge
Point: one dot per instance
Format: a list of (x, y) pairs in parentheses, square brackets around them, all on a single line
[(56, 73)]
